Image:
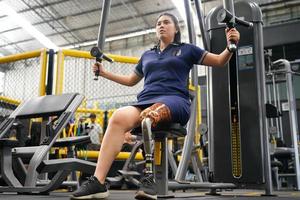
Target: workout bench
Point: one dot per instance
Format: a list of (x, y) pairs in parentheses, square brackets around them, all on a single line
[(62, 108)]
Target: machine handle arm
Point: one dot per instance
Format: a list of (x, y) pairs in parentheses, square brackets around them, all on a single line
[(224, 16)]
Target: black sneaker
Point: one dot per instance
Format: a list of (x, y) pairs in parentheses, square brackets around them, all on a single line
[(91, 189), (147, 189)]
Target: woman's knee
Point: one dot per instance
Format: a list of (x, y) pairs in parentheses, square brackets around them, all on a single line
[(126, 118)]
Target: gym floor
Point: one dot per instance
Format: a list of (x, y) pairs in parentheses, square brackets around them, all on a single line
[(190, 195)]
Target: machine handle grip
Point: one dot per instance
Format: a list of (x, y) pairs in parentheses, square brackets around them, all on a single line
[(224, 16), (99, 55)]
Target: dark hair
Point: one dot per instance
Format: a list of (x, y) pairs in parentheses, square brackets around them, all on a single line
[(177, 38), (92, 115)]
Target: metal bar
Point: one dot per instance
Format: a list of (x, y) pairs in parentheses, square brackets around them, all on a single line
[(197, 167), (194, 185), (172, 162), (293, 120), (86, 54), (269, 99), (6, 168), (189, 139), (89, 110), (120, 156), (198, 122), (161, 169), (43, 63), (60, 72), (20, 56), (10, 100), (228, 5), (192, 40), (41, 153), (187, 146), (103, 23), (204, 34), (210, 117), (275, 104), (280, 111), (49, 86), (260, 74)]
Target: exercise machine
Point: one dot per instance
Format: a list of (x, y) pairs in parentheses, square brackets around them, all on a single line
[(238, 133), (280, 71), (60, 108)]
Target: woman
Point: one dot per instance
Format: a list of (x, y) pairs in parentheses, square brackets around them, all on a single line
[(164, 97)]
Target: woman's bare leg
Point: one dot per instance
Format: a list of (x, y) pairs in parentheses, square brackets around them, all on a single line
[(122, 120)]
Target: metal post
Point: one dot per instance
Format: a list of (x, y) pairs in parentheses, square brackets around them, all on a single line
[(206, 44), (49, 86), (210, 118), (260, 73), (187, 146), (161, 170), (203, 31), (293, 119), (275, 103), (103, 23), (189, 139), (280, 111), (269, 99), (228, 5)]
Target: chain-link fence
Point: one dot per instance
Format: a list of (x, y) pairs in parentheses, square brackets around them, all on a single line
[(21, 78), (22, 75), (102, 94)]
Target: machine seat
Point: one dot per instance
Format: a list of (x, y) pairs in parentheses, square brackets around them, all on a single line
[(7, 142), (170, 130)]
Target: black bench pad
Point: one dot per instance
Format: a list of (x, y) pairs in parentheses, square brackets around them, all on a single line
[(69, 141), (46, 106), (6, 142), (171, 129)]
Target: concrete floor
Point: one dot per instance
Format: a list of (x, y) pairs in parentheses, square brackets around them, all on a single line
[(189, 195)]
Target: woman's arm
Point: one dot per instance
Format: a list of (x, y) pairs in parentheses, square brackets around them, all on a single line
[(219, 60), (128, 80)]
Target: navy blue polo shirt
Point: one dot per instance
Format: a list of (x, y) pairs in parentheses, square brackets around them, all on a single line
[(166, 74)]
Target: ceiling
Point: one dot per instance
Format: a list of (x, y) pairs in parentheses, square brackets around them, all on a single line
[(70, 22)]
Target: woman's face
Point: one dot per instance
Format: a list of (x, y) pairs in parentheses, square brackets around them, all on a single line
[(165, 28)]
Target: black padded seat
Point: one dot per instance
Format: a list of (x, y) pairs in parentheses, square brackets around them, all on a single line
[(6, 142), (71, 141), (39, 106), (276, 163), (171, 130), (283, 152)]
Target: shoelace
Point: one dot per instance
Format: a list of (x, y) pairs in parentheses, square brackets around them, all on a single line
[(89, 181), (147, 180)]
